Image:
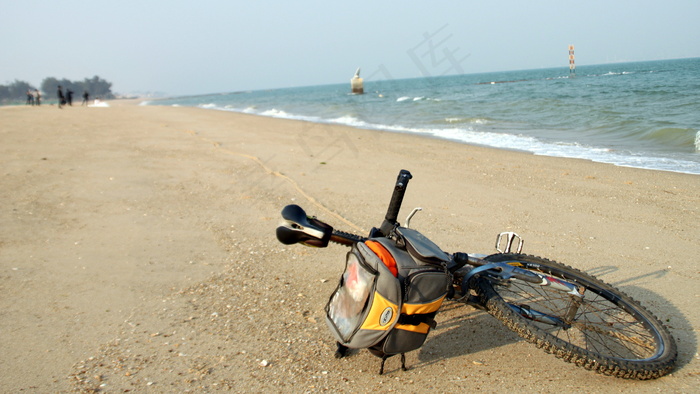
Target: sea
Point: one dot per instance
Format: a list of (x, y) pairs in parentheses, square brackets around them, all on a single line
[(641, 114)]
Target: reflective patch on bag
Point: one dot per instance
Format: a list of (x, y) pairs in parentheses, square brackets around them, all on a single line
[(386, 316)]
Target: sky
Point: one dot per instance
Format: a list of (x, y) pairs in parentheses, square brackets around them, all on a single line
[(175, 47)]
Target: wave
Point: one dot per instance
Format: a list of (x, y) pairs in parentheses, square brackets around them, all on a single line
[(417, 98), (352, 121), (276, 113), (617, 73), (478, 121), (673, 136)]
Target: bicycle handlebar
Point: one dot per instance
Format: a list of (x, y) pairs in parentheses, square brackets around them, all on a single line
[(392, 212), (346, 239)]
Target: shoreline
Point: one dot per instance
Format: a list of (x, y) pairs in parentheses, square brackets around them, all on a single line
[(137, 250), (426, 134)]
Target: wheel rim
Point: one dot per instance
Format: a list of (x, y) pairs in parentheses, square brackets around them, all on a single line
[(604, 323)]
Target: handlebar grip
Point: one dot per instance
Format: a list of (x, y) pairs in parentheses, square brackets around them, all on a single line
[(392, 212)]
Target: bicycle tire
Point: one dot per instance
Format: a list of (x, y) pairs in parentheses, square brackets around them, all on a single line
[(611, 333)]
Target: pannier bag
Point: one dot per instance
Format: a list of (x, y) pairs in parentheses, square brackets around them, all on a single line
[(386, 300)]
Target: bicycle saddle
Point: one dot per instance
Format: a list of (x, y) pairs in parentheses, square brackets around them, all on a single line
[(300, 228)]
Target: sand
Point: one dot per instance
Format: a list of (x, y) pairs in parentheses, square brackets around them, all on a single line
[(137, 251)]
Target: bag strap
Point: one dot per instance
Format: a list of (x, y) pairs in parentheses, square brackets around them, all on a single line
[(415, 320)]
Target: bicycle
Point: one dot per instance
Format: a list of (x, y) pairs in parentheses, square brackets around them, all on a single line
[(560, 309)]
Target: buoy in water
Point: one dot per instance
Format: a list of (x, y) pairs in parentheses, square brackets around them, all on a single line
[(356, 83)]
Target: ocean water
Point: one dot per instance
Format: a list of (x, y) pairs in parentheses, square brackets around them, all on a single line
[(644, 114)]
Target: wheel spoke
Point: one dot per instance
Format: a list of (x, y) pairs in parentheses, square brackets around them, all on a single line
[(599, 325)]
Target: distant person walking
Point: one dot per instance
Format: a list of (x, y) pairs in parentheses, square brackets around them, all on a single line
[(30, 97), (37, 97), (61, 98), (86, 95), (69, 97)]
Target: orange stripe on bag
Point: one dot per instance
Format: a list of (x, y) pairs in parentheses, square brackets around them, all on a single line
[(422, 328), (384, 255), (418, 309)]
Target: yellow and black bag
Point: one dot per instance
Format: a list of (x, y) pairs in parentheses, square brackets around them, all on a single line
[(388, 296)]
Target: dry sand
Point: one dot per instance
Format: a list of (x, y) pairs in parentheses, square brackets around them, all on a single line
[(137, 252)]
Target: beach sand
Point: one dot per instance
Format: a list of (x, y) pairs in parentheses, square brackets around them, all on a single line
[(137, 251)]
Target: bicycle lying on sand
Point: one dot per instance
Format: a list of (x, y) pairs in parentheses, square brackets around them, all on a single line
[(561, 310)]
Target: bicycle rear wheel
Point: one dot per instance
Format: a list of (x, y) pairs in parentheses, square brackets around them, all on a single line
[(605, 331)]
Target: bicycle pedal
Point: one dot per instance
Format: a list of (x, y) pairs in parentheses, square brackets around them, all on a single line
[(510, 238)]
